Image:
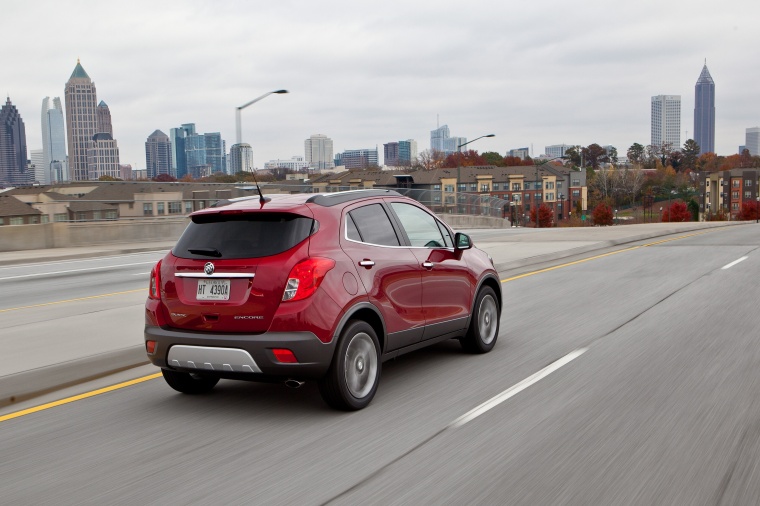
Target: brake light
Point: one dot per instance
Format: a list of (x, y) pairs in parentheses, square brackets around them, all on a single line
[(154, 289), (305, 278)]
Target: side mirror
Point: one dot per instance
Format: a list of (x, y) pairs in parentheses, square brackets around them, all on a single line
[(462, 241)]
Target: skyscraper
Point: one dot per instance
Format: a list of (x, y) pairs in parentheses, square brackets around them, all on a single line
[(752, 141), (53, 142), (216, 152), (104, 119), (704, 112), (441, 140), (102, 157), (82, 120), (177, 137), (158, 155), (666, 121), (241, 158), (407, 152), (390, 154), (437, 138), (13, 161), (319, 152)]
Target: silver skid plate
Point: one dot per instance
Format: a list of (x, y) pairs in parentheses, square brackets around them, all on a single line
[(207, 358)]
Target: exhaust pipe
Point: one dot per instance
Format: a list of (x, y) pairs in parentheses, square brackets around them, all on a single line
[(291, 383)]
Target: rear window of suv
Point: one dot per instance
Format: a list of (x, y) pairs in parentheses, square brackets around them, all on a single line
[(251, 235)]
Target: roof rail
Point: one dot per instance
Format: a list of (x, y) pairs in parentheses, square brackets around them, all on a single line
[(332, 199)]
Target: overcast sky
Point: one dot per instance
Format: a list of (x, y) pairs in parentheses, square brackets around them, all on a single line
[(532, 73)]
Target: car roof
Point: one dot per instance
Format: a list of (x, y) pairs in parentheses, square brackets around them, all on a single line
[(285, 202)]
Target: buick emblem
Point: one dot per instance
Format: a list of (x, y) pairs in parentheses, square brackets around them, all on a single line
[(208, 268)]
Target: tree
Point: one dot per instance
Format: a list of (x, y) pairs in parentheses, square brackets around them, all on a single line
[(545, 216), (469, 158), (602, 214), (574, 155), (749, 211), (493, 158), (693, 209), (636, 153), (109, 178), (675, 160), (594, 155), (612, 155), (430, 159), (164, 178), (690, 154), (676, 212)]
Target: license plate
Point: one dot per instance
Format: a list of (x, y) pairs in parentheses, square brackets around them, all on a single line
[(213, 289)]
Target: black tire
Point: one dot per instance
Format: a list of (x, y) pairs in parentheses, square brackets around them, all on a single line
[(484, 323), (351, 381), (189, 383)]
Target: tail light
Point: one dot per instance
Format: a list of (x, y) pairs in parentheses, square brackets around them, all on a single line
[(154, 289), (305, 278)]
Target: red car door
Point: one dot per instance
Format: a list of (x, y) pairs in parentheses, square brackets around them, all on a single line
[(390, 272), (447, 282)]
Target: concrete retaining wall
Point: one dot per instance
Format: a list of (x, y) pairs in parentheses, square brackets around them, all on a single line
[(71, 235), (464, 221)]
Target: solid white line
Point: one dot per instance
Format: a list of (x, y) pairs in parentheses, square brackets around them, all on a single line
[(519, 387), (141, 273), (80, 260), (36, 275), (733, 263)]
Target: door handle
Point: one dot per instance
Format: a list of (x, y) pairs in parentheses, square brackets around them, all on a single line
[(367, 263), (427, 265)]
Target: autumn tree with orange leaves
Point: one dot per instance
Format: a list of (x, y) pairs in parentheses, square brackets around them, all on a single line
[(469, 158), (545, 216)]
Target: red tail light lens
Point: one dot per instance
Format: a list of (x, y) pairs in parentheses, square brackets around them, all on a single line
[(154, 289), (305, 278)]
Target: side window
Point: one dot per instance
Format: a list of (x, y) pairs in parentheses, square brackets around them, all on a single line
[(421, 228), (373, 225), (351, 231)]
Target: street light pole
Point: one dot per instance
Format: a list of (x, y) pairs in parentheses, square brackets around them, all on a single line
[(238, 130)]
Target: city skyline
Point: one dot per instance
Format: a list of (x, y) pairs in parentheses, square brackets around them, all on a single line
[(576, 86)]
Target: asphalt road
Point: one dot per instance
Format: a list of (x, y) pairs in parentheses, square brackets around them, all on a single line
[(98, 302), (658, 405)]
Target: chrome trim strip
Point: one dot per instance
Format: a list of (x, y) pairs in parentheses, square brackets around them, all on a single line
[(214, 275), (209, 358)]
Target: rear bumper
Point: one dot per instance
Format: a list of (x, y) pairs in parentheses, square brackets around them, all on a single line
[(314, 356)]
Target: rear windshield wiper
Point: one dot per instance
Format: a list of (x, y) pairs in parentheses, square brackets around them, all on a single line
[(209, 252)]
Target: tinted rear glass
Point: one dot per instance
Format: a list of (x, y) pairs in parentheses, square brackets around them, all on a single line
[(257, 235)]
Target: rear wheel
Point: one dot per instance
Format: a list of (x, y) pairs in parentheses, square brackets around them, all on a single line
[(351, 381), (484, 323), (189, 383)]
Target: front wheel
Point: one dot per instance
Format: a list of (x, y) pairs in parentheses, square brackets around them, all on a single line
[(351, 381), (484, 323), (189, 383)]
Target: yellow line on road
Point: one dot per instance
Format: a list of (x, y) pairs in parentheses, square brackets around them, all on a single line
[(602, 256), (79, 397), (72, 300)]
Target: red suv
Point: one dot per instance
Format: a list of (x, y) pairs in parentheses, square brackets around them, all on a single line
[(323, 287)]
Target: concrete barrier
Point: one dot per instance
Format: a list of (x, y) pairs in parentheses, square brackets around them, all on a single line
[(73, 234), (463, 221), (131, 231)]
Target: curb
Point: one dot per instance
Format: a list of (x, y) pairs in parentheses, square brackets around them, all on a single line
[(28, 384), (90, 254)]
